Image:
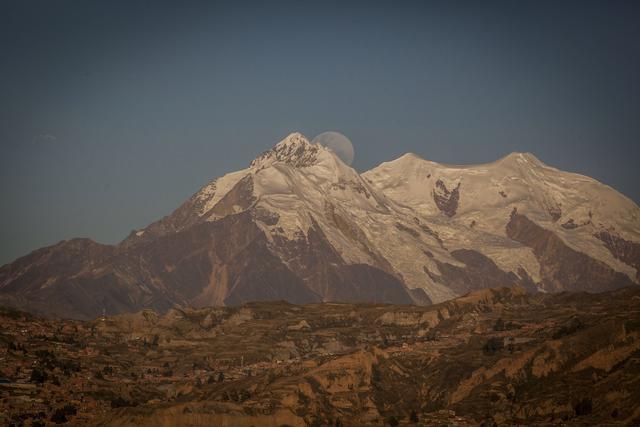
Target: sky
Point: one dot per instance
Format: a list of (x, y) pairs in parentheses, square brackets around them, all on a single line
[(114, 112)]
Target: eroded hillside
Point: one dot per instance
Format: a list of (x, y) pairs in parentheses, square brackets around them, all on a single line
[(493, 357)]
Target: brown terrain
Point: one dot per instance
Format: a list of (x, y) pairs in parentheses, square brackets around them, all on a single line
[(493, 357)]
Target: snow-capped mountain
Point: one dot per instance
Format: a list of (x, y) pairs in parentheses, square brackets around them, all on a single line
[(300, 225)]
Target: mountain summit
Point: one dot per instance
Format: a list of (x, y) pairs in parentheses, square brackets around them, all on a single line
[(298, 224)]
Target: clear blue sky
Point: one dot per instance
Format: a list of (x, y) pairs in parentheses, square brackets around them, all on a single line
[(112, 113)]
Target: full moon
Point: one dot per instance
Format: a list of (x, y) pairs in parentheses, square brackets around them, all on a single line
[(338, 143)]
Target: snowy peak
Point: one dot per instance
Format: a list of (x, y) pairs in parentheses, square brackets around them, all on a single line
[(295, 150), (293, 142), (522, 160), (413, 161), (522, 157)]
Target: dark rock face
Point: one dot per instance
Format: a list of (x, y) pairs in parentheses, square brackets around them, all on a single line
[(173, 269), (562, 268), (225, 262), (324, 271), (626, 251), (420, 297), (446, 200), (183, 217), (364, 283), (569, 224), (481, 272), (67, 258)]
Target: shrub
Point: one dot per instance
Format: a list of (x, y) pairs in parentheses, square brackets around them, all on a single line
[(119, 402), (393, 421), (492, 346), (69, 410), (572, 326), (59, 417), (583, 407), (38, 376)]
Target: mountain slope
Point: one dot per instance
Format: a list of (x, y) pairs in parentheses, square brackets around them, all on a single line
[(300, 225), (471, 207)]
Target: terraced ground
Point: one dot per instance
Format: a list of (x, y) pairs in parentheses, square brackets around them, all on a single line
[(495, 357)]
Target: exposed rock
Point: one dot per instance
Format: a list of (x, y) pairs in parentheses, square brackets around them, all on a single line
[(624, 250), (446, 200), (562, 268), (480, 272), (569, 224), (295, 150)]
